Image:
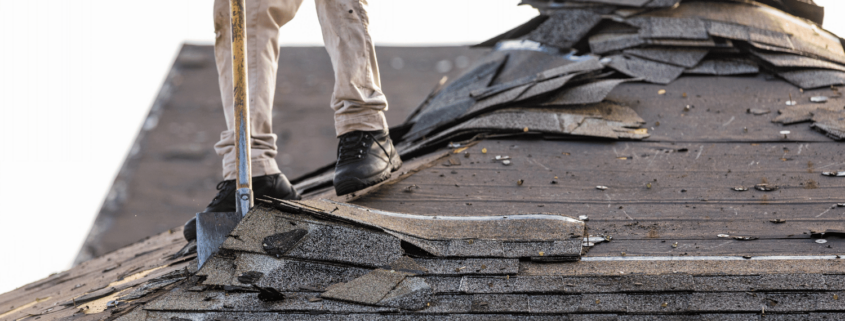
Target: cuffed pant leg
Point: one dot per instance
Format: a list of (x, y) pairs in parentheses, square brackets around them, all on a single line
[(358, 100), (263, 19)]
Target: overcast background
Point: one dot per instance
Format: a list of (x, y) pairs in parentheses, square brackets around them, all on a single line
[(78, 78)]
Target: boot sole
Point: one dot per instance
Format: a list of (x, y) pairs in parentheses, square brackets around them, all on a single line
[(352, 184)]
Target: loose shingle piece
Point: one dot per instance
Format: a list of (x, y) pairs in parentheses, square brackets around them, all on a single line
[(589, 93), (683, 57), (814, 78), (830, 122), (724, 67), (647, 70), (630, 3), (565, 28), (800, 113), (796, 61), (604, 43), (672, 28)]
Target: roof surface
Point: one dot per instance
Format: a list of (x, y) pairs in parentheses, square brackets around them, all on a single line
[(688, 172), (172, 169)]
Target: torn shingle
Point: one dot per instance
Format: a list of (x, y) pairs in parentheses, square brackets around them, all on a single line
[(293, 275), (604, 43), (479, 266), (786, 60), (589, 93), (529, 227), (830, 122), (368, 289), (413, 293), (629, 3), (683, 57), (650, 71), (528, 63), (564, 28), (244, 302), (814, 78), (500, 98), (546, 86), (346, 245), (724, 67), (90, 296), (407, 264), (280, 243), (800, 113), (611, 121), (672, 28), (686, 43), (589, 64), (454, 99), (769, 37), (324, 241), (728, 30), (495, 248), (662, 3), (482, 94)]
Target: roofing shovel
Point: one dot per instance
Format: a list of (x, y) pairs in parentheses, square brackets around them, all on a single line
[(213, 228)]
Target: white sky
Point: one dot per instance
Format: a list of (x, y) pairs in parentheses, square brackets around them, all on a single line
[(78, 78)]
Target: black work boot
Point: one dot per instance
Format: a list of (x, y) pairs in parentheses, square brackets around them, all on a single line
[(364, 158), (276, 186)]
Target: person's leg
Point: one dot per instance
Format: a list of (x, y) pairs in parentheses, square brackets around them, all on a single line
[(365, 153), (358, 101), (263, 19)]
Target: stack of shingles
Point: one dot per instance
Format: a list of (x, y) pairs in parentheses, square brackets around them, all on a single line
[(702, 37), (295, 254), (533, 80), (524, 88)]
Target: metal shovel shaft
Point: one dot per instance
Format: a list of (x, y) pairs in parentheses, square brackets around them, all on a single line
[(213, 228), (243, 196)]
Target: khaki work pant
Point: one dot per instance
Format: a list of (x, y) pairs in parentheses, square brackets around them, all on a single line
[(358, 101)]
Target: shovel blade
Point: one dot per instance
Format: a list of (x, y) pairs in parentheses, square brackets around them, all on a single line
[(212, 230)]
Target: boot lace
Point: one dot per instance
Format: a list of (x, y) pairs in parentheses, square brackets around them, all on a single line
[(353, 146), (222, 190)]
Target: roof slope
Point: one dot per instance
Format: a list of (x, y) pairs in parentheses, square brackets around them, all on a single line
[(679, 147), (172, 169)]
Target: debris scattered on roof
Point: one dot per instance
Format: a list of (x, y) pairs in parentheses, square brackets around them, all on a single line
[(830, 122)]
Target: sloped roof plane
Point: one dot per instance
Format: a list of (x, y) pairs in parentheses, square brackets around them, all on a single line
[(698, 192)]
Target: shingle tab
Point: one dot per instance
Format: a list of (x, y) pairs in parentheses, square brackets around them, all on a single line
[(814, 78), (589, 93), (564, 28), (672, 28), (650, 71), (368, 289), (470, 266), (683, 57), (724, 67)]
